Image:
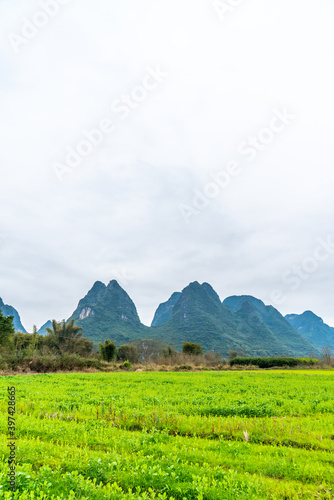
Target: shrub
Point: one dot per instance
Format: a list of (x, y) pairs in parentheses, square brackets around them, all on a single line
[(126, 365), (273, 362), (183, 367), (192, 348), (108, 350), (128, 352)]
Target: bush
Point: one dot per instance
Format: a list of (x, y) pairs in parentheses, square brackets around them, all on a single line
[(183, 367), (274, 362), (192, 348), (168, 352), (108, 350), (126, 365), (44, 364), (128, 352)]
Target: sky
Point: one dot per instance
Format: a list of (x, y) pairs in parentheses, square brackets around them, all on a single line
[(162, 142)]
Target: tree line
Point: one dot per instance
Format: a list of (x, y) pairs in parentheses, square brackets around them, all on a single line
[(67, 338), (62, 338)]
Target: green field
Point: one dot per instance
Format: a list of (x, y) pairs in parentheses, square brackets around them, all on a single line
[(205, 435)]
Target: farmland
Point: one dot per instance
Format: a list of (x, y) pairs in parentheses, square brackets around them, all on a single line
[(204, 435)]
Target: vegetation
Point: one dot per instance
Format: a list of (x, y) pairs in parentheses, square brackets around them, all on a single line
[(272, 362), (65, 337), (196, 315), (108, 350), (6, 330), (64, 348), (128, 352), (195, 436), (192, 348)]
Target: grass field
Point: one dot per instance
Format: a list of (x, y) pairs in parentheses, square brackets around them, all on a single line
[(205, 435)]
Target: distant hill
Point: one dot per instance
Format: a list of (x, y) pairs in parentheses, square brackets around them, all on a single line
[(10, 311), (290, 340), (165, 310), (313, 328), (107, 312), (240, 323), (42, 330), (259, 338), (197, 316)]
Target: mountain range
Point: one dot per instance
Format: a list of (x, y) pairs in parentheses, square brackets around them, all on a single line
[(196, 314), (243, 324), (312, 328), (10, 311)]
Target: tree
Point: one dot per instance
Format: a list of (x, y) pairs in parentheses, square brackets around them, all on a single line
[(128, 352), (67, 338), (149, 349), (6, 329), (192, 348), (108, 350), (168, 352), (27, 342), (232, 354), (327, 355)]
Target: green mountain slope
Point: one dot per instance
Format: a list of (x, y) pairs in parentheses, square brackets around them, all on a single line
[(165, 310), (198, 316), (260, 340), (107, 312), (10, 311), (284, 333), (313, 328)]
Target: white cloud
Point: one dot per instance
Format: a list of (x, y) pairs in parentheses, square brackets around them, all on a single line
[(118, 212)]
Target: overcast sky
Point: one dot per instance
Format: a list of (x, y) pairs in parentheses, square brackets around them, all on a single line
[(185, 92)]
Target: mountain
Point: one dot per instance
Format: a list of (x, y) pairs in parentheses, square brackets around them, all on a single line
[(165, 310), (291, 341), (197, 316), (107, 312), (243, 323), (42, 330), (10, 311), (257, 335), (313, 328)]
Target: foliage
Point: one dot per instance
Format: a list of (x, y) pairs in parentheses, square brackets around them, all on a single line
[(48, 363), (232, 354), (6, 330), (65, 337), (128, 352), (168, 352), (192, 348), (27, 342), (108, 350), (273, 362), (149, 349), (126, 365), (172, 436), (327, 355)]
